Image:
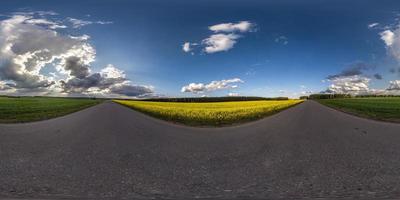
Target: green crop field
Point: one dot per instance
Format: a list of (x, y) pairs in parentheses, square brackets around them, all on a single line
[(210, 114), (26, 109), (380, 108)]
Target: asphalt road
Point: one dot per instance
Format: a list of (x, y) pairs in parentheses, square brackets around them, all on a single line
[(110, 151)]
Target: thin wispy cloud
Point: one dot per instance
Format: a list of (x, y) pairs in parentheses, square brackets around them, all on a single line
[(282, 40), (79, 23), (373, 25)]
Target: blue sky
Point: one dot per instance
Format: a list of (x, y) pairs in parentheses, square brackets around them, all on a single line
[(290, 48)]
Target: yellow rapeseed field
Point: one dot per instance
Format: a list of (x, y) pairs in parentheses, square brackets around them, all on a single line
[(210, 114)]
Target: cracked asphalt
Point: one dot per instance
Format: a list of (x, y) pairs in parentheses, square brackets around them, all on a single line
[(112, 152)]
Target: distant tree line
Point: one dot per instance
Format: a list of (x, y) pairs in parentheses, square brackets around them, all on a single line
[(336, 96), (378, 95), (214, 99), (329, 96), (303, 97)]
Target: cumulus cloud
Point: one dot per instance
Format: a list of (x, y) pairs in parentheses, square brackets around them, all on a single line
[(352, 80), (394, 85), (194, 88), (219, 42), (355, 84), (243, 26), (76, 67), (391, 39), (186, 47), (29, 43), (109, 81), (212, 86), (224, 37), (388, 37)]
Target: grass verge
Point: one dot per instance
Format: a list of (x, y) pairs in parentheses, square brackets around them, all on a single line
[(210, 114), (27, 109), (378, 108)]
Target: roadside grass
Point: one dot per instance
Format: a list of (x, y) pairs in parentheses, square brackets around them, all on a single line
[(379, 108), (210, 114), (27, 109)]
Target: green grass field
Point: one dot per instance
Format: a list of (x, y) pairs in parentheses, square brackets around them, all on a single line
[(26, 109), (380, 108), (210, 114)]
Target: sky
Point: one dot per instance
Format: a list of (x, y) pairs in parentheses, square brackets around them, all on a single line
[(150, 48)]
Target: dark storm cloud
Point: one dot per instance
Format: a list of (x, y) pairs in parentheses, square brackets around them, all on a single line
[(353, 69), (132, 90), (378, 76), (94, 80), (395, 70), (22, 79), (29, 43), (81, 84), (97, 80), (76, 67)]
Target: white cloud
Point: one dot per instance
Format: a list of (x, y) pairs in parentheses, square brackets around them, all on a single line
[(394, 85), (388, 37), (219, 42), (112, 72), (78, 23), (194, 88), (223, 84), (82, 37), (27, 44), (45, 22), (186, 47), (243, 26), (355, 84), (392, 42), (233, 94), (372, 25), (103, 22), (212, 86), (224, 38)]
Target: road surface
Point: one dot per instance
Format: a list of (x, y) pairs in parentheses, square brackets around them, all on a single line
[(110, 151)]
